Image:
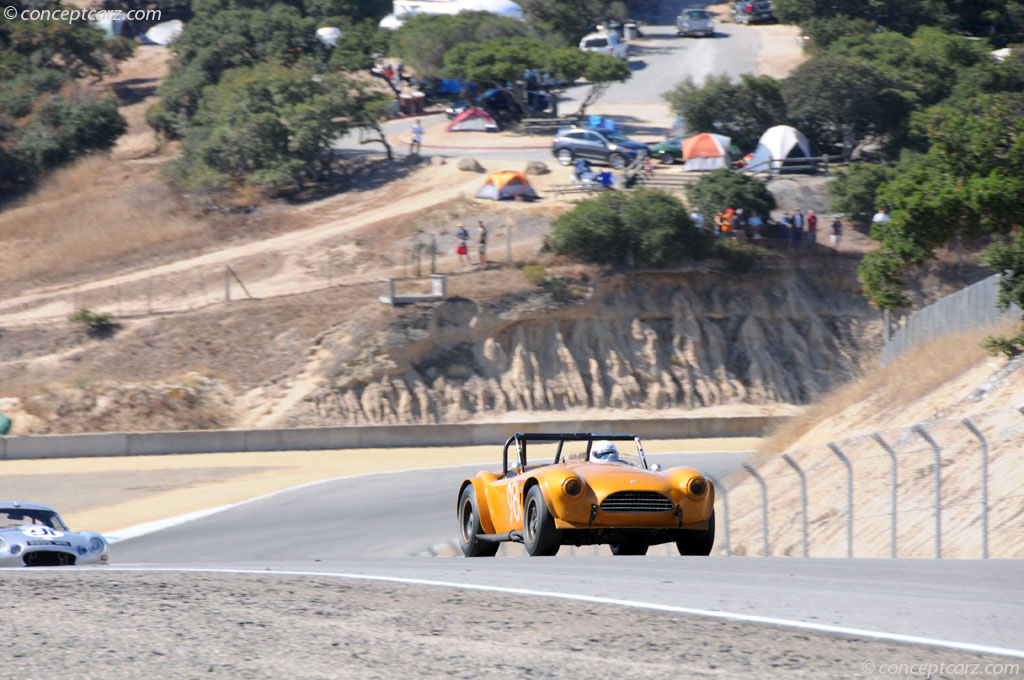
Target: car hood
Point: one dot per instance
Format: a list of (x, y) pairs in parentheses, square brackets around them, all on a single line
[(606, 478), (34, 535), (635, 146)]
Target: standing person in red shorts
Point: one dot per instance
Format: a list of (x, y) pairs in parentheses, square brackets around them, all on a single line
[(461, 249)]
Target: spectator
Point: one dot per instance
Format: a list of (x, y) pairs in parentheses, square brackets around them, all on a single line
[(481, 243), (740, 225), (798, 227), (881, 216), (726, 223), (837, 231), (417, 138), (697, 218), (787, 229), (755, 223), (812, 227), (461, 238)]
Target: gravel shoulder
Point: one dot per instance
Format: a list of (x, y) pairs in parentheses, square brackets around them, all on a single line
[(274, 626)]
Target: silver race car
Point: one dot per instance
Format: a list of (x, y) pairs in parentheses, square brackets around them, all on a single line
[(33, 535)]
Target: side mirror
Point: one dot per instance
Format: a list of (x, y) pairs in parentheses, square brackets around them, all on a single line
[(656, 467)]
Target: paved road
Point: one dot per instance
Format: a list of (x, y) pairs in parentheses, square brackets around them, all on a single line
[(372, 525)]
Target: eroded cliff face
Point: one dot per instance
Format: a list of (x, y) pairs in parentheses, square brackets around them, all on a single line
[(679, 340)]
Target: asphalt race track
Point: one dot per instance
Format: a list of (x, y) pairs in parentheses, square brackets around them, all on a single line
[(375, 525)]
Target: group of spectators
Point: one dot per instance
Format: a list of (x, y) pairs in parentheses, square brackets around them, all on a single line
[(796, 228)]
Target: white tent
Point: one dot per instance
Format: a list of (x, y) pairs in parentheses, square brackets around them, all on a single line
[(164, 33), (777, 145), (329, 35)]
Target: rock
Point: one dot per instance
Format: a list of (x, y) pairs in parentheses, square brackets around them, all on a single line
[(536, 168), (437, 160), (469, 164)]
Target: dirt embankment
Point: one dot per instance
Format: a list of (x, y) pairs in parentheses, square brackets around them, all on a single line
[(672, 340)]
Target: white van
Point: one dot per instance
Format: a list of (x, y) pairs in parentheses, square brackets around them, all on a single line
[(605, 43)]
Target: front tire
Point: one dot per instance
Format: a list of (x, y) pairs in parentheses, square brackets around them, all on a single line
[(564, 156), (698, 541), (616, 160), (666, 158), (539, 533), (469, 527)]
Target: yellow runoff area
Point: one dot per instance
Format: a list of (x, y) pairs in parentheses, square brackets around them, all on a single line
[(276, 470)]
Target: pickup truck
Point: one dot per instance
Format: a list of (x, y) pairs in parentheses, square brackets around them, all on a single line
[(752, 11)]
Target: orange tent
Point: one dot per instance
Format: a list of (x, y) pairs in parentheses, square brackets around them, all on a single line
[(506, 184), (706, 151)]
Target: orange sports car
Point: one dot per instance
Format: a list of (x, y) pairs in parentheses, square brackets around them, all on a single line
[(591, 492)]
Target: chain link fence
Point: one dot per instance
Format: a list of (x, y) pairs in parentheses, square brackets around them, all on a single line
[(972, 307)]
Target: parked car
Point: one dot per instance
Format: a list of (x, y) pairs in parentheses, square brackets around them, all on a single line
[(499, 103), (582, 489), (606, 43), (596, 144), (33, 535), (695, 22), (752, 11), (669, 151)]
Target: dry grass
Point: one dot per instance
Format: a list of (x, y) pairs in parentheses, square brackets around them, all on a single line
[(95, 212), (878, 393)]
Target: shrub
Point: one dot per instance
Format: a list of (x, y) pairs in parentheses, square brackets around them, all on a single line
[(95, 323), (535, 273), (741, 257), (721, 189), (644, 228)]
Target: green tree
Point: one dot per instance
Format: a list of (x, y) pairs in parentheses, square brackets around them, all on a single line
[(1007, 258), (423, 40), (566, 21), (825, 31), (968, 184), (741, 109), (269, 126), (841, 101), (854, 192), (721, 189), (642, 228)]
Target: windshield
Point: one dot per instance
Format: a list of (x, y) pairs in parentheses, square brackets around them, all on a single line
[(618, 452), (596, 42), (16, 517), (697, 14), (615, 136)]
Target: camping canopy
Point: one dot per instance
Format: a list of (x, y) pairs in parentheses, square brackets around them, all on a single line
[(473, 118), (778, 145), (506, 184), (706, 151)]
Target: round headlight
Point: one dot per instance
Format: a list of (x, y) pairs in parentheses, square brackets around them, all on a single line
[(572, 487), (96, 544), (696, 487), (15, 549)]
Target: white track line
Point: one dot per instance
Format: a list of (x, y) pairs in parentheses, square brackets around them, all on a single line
[(709, 613), (157, 525)]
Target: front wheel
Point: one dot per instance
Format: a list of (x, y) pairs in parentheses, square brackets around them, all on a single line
[(539, 533), (616, 160), (469, 527), (666, 158), (698, 541), (564, 156)]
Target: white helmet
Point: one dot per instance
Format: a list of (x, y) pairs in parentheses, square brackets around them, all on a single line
[(604, 450)]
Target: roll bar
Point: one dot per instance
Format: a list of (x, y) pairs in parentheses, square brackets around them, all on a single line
[(520, 439)]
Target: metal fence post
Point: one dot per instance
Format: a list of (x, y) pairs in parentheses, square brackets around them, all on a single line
[(725, 510), (803, 499), (893, 489), (764, 508), (984, 485), (938, 488), (849, 497)]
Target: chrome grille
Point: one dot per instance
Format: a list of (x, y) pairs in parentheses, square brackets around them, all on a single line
[(636, 501)]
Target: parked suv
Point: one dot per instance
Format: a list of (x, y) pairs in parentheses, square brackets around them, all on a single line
[(694, 22), (596, 144), (754, 11), (606, 43)]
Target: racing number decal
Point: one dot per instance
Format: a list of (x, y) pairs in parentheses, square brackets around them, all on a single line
[(515, 504), (42, 532)]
